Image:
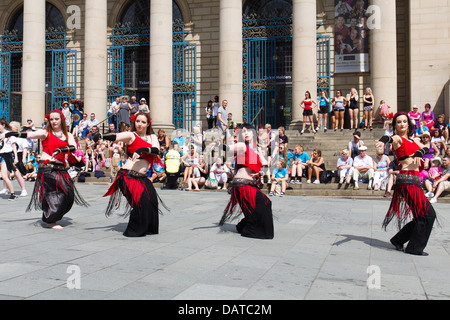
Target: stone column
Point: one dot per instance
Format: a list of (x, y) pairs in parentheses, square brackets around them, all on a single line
[(95, 63), (33, 76), (304, 56), (383, 57), (161, 68), (230, 57)]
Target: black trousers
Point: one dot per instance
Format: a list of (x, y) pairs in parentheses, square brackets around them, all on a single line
[(258, 221), (59, 194), (144, 216), (416, 233)]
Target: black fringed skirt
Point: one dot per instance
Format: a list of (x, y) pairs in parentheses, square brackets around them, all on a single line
[(54, 193)]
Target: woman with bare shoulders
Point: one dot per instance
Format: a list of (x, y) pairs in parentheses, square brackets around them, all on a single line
[(54, 191), (255, 205), (132, 181), (409, 201)]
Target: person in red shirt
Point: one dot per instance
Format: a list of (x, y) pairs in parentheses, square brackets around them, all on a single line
[(255, 205), (132, 179), (54, 191), (408, 201)]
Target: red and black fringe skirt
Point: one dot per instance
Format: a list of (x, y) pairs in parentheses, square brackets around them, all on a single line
[(408, 201), (54, 193), (256, 208), (142, 202)]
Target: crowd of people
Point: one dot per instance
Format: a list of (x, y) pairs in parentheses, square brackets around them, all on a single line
[(199, 167), (229, 156)]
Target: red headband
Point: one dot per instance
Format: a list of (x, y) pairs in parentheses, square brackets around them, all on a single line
[(59, 111), (133, 117)]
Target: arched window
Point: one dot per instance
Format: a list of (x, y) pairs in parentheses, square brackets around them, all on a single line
[(53, 19), (137, 13), (268, 8)]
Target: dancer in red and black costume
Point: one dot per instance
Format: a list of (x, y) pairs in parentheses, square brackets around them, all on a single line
[(409, 201), (255, 205), (54, 191), (132, 180)]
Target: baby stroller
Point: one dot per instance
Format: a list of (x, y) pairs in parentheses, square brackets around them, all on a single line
[(173, 168)]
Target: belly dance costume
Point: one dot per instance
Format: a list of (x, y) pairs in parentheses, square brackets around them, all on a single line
[(138, 190), (408, 202), (54, 191), (255, 205)]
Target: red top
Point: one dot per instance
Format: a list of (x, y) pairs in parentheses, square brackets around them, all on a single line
[(408, 148), (140, 143), (51, 143), (250, 159), (308, 105)]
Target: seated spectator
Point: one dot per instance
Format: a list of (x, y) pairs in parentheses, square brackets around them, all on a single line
[(123, 160), (434, 151), (280, 176), (158, 172), (443, 184), (31, 166), (421, 129), (316, 165), (218, 172), (345, 167), (78, 130), (196, 139), (353, 145), (440, 124), (299, 159), (29, 125), (394, 170), (111, 128), (179, 139), (92, 138), (286, 156), (199, 175), (79, 156), (163, 139), (381, 170), (363, 168), (90, 158), (439, 141), (189, 160), (433, 175), (88, 125)]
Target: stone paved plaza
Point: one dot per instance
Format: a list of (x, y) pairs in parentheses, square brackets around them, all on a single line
[(329, 249)]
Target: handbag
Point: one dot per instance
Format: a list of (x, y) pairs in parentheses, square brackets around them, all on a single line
[(211, 183)]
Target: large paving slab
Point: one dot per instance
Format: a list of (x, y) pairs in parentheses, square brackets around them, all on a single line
[(330, 249)]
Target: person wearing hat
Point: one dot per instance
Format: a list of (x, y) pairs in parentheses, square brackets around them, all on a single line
[(363, 168), (67, 114), (143, 107)]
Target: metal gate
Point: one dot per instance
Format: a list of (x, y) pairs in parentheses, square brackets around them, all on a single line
[(184, 85), (64, 76), (267, 69), (184, 70), (260, 81), (115, 76), (5, 85)]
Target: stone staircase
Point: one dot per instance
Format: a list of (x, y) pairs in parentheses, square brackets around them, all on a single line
[(331, 144)]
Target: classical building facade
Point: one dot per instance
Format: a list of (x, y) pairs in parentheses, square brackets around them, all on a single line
[(260, 55)]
